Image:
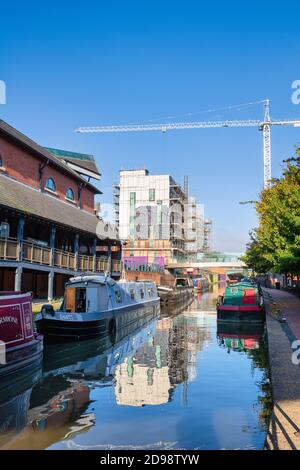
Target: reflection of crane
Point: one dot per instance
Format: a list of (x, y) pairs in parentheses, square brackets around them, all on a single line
[(264, 126)]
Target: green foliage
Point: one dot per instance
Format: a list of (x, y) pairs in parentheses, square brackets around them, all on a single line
[(275, 244)]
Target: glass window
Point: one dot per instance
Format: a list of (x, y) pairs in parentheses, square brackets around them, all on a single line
[(142, 293), (1, 161), (70, 194), (132, 294), (151, 194), (118, 296), (50, 184)]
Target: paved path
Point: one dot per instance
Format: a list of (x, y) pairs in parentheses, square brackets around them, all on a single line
[(283, 325)]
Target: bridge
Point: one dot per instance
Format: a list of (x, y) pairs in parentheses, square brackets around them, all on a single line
[(219, 264)]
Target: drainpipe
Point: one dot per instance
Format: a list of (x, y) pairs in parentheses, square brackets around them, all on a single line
[(80, 188), (76, 250), (94, 254), (41, 170)]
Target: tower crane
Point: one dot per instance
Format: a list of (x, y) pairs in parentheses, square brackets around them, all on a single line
[(263, 125)]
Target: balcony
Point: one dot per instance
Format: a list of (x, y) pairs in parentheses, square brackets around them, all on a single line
[(12, 250)]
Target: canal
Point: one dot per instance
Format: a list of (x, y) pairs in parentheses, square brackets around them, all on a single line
[(178, 382)]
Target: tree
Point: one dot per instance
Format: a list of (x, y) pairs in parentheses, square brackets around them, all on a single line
[(275, 244)]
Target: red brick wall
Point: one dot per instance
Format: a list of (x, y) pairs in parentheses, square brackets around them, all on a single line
[(24, 167)]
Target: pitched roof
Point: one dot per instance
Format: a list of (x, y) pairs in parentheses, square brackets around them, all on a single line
[(82, 160), (42, 153), (27, 200)]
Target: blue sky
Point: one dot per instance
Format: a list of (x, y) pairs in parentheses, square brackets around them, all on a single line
[(69, 64)]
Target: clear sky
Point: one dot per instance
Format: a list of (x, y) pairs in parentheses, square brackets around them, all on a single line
[(69, 64)]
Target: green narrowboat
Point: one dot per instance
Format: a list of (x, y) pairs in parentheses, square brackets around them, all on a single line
[(241, 302)]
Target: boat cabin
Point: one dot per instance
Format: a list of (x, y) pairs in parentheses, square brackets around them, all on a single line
[(86, 294)]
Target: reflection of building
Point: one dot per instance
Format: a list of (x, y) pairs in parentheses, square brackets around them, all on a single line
[(138, 385), (168, 359), (62, 417)]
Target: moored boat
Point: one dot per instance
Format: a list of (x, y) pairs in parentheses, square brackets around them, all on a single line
[(201, 284), (241, 302), (97, 306), (21, 348)]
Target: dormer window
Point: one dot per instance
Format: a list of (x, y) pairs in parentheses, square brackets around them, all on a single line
[(50, 185), (70, 194)]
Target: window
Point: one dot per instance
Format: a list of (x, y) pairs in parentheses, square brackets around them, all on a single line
[(1, 161), (70, 194), (132, 296), (50, 184), (150, 292), (151, 194), (142, 293), (118, 296)]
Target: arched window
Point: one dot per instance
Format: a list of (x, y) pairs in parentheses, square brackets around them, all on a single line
[(1, 161), (70, 194), (50, 184)]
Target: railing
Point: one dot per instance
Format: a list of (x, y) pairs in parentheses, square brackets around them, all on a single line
[(12, 250), (85, 263), (9, 248), (64, 259), (116, 266), (36, 254)]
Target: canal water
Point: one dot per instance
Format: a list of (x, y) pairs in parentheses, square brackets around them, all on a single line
[(178, 382)]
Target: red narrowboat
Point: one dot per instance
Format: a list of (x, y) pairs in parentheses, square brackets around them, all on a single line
[(241, 302), (20, 347)]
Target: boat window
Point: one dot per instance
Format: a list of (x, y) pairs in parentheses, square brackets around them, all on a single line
[(150, 292), (118, 296), (142, 293), (132, 295)]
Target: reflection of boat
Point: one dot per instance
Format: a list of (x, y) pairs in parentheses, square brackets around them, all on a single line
[(240, 337), (95, 306), (20, 348), (173, 309), (14, 401), (60, 402), (241, 302)]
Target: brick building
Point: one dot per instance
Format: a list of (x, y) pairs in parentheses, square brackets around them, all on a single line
[(49, 229)]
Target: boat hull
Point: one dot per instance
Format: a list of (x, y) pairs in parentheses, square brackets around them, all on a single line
[(233, 314), (59, 330), (21, 359)]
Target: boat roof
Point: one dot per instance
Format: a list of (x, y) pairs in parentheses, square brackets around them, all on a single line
[(243, 293), (97, 278)]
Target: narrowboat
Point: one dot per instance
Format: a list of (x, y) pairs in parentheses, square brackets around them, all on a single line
[(201, 284), (241, 302), (97, 306), (21, 349), (181, 291)]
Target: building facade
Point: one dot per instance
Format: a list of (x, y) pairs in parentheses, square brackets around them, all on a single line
[(194, 228), (157, 220), (150, 216), (49, 230), (207, 242)]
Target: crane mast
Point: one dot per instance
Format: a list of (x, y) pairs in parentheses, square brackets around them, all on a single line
[(264, 126)]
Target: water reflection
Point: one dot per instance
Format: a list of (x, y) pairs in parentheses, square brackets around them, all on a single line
[(99, 394)]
